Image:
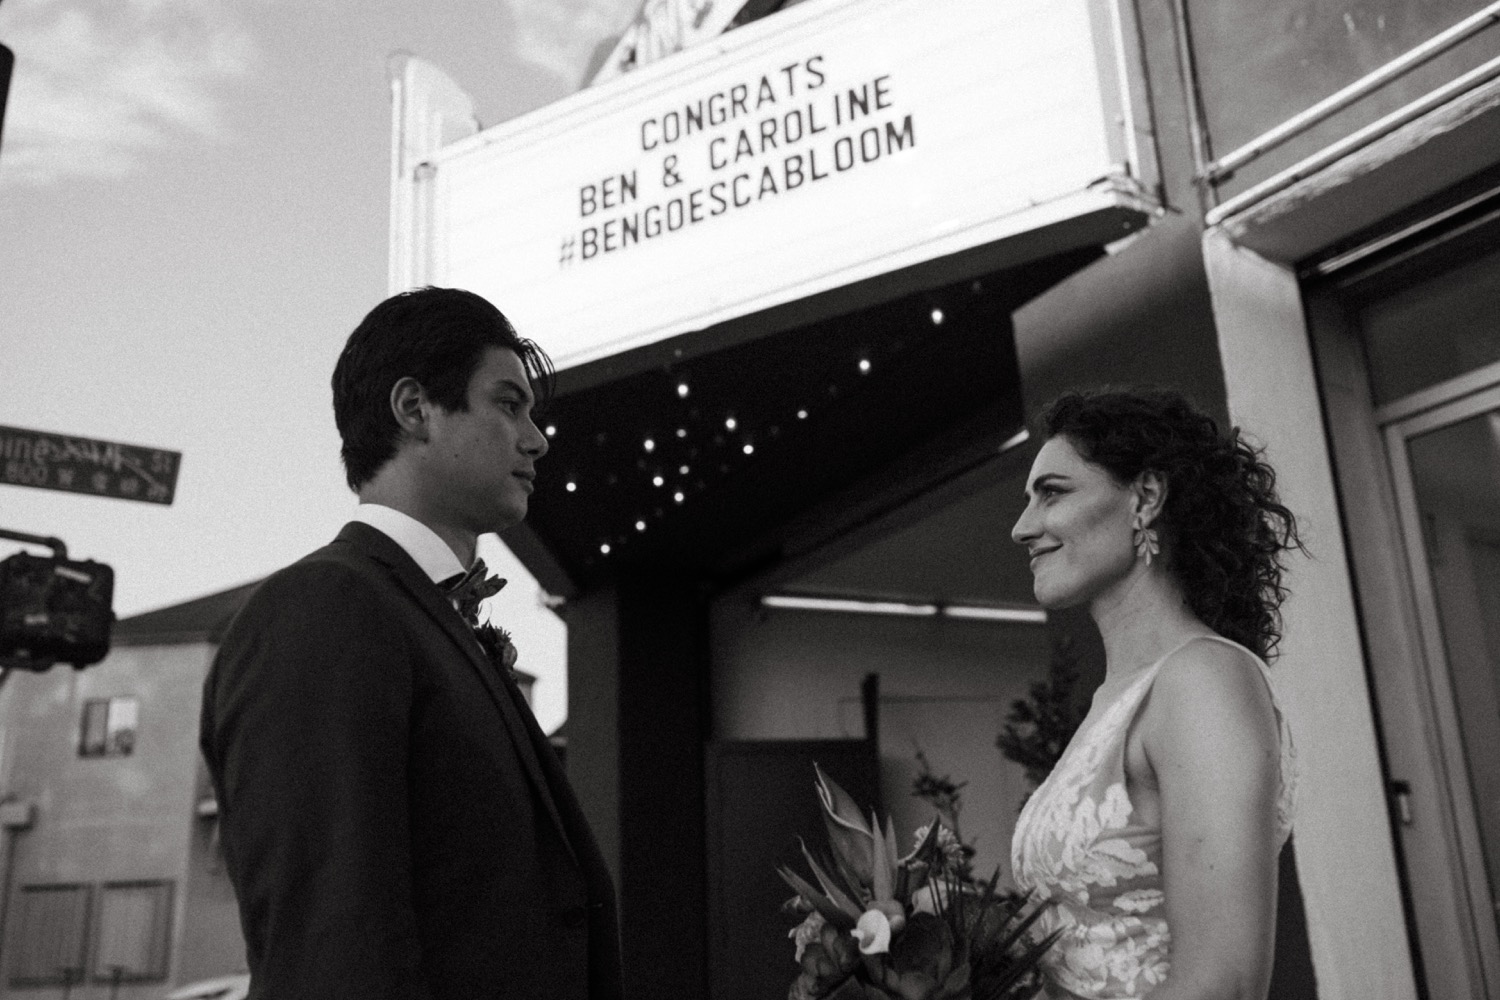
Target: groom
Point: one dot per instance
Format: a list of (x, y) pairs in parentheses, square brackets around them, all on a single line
[(395, 824)]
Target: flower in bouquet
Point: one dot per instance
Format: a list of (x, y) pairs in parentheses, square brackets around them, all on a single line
[(880, 926)]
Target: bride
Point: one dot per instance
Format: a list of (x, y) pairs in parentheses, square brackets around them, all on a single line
[(1157, 833)]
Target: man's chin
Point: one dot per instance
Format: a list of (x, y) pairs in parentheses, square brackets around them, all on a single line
[(508, 518)]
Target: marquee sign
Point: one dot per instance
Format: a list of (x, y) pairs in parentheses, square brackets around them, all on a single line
[(832, 142)]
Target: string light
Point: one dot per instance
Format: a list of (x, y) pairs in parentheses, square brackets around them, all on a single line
[(551, 430), (801, 414), (604, 549), (678, 496), (749, 449), (640, 526), (572, 486), (649, 445), (864, 366), (682, 470), (682, 390), (730, 423), (937, 317), (682, 432), (657, 480)]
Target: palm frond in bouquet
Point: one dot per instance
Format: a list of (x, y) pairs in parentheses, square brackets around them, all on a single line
[(881, 926)]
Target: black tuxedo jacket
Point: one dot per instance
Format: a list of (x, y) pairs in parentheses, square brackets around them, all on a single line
[(395, 823)]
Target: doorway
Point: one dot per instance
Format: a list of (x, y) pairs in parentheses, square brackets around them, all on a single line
[(1407, 340), (1445, 468)]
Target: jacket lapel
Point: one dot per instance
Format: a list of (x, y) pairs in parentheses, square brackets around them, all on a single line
[(506, 696)]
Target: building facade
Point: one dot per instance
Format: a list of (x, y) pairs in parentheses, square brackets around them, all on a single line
[(1291, 216)]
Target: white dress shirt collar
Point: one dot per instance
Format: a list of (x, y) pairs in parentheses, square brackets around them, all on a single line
[(420, 542)]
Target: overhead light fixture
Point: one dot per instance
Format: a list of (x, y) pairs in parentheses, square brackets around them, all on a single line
[(1012, 614), (1019, 438), (798, 603), (1017, 614)]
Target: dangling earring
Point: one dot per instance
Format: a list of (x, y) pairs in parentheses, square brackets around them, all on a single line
[(1146, 543)]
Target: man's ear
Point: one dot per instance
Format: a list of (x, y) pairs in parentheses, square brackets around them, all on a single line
[(409, 407), (1150, 489)]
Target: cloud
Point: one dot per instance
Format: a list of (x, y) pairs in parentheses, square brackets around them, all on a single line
[(561, 35), (99, 85)]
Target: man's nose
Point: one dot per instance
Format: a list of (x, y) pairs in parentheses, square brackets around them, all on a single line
[(536, 443)]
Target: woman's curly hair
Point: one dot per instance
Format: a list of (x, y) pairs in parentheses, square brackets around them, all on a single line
[(1224, 527)]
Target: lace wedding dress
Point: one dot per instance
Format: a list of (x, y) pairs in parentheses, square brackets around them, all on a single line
[(1079, 842)]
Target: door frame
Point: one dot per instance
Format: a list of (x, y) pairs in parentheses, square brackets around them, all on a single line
[(1463, 402), (1431, 806)]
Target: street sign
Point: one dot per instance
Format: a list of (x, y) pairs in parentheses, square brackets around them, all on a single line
[(83, 465)]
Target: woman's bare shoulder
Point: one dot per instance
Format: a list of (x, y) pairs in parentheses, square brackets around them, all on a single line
[(1213, 690)]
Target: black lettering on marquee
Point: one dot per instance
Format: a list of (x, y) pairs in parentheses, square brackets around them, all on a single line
[(896, 141), (767, 133), (767, 184), (767, 94), (815, 72), (787, 141)]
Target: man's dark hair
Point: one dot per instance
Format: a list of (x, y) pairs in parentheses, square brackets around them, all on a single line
[(437, 336)]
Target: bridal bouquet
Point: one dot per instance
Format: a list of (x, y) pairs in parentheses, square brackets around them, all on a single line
[(879, 926)]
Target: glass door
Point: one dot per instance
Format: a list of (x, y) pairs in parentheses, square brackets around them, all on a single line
[(1445, 467)]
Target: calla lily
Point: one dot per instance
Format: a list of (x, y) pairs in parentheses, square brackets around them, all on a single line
[(873, 932), (852, 838)]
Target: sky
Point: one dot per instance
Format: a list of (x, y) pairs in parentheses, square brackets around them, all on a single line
[(194, 200)]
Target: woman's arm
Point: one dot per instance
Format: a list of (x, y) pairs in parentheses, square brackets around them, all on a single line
[(1210, 736)]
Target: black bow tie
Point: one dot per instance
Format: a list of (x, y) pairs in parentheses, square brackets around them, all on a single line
[(468, 589)]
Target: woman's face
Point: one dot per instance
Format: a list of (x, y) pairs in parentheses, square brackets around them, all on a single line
[(1077, 527)]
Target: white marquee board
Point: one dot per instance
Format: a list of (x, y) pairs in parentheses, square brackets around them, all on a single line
[(835, 141)]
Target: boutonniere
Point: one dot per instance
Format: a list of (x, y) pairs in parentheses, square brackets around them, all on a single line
[(497, 646)]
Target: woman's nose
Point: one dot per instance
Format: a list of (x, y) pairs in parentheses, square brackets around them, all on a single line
[(1024, 530)]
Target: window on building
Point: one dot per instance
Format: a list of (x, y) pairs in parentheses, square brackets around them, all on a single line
[(49, 935), (108, 728), (133, 932)]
